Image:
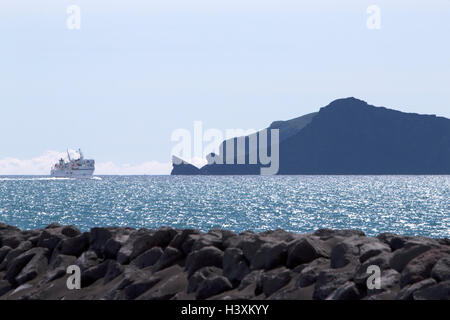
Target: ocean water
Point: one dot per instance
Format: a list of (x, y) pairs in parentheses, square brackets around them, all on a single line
[(410, 205)]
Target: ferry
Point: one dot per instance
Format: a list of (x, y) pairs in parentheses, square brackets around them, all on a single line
[(74, 168)]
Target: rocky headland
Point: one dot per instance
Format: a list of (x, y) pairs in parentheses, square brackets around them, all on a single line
[(124, 263)]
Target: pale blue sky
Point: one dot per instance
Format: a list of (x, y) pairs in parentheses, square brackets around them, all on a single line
[(137, 70)]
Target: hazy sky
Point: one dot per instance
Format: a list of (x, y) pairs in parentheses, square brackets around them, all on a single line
[(137, 70)]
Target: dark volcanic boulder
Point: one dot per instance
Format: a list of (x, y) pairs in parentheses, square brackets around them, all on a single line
[(61, 260), (274, 280), (143, 240), (139, 287), (407, 292), (208, 240), (113, 271), (211, 286), (70, 231), (420, 267), (305, 250), (347, 291), (253, 277), (3, 252), (401, 257), (148, 258), (16, 265), (325, 234), (11, 236), (201, 275), (98, 238), (12, 254), (441, 270), (344, 253), (382, 261), (269, 256), (247, 241), (235, 266), (94, 273), (183, 240), (440, 291), (5, 286), (168, 258), (87, 259), (37, 265), (328, 281), (74, 246), (208, 256), (310, 272)]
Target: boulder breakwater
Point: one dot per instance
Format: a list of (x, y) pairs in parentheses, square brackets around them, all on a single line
[(61, 262)]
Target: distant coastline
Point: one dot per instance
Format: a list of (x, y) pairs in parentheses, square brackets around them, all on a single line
[(346, 137)]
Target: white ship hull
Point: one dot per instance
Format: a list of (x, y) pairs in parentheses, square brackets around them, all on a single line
[(80, 173)]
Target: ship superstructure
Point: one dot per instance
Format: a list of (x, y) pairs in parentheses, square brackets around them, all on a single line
[(74, 168)]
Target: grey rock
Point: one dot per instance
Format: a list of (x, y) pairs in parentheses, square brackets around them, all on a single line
[(61, 260), (148, 258), (111, 248), (168, 258), (143, 240), (211, 286), (50, 238), (205, 257), (440, 291), (325, 234), (167, 289), (74, 246), (137, 288), (113, 271), (253, 277), (3, 252), (247, 241), (87, 259), (269, 256), (344, 253), (36, 266), (305, 250), (5, 286), (274, 280), (12, 254), (401, 257), (98, 238), (208, 240), (52, 275), (311, 271), (70, 231), (381, 261), (420, 267), (201, 275), (18, 263), (94, 273), (183, 242), (347, 291), (235, 266), (390, 279), (441, 270), (407, 292), (328, 281)]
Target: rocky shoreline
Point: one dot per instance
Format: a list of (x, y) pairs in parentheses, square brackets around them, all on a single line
[(163, 264)]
